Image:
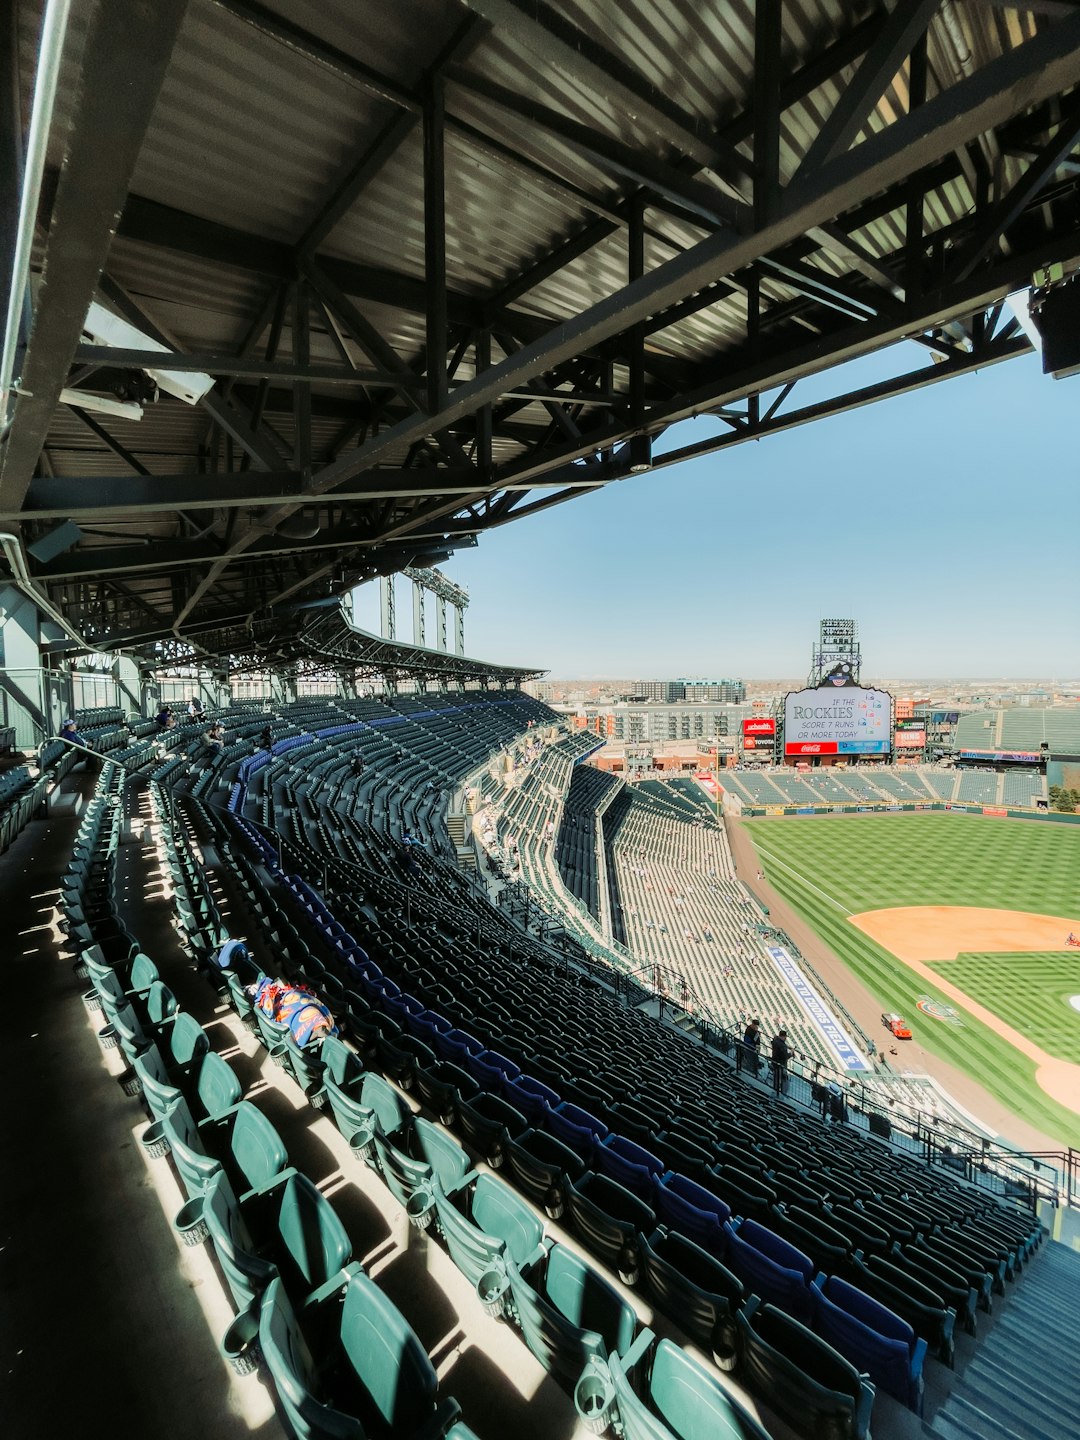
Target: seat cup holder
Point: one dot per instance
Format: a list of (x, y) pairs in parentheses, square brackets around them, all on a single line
[(190, 1224), (240, 1343), (594, 1397), (362, 1144), (154, 1140), (492, 1289), (420, 1208)]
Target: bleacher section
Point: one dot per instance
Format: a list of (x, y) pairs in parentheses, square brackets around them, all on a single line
[(1020, 729), (882, 785)]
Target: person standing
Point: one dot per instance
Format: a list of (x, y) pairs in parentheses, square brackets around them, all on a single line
[(750, 1048), (781, 1054)]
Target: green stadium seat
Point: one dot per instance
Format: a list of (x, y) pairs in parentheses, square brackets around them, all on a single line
[(569, 1313)]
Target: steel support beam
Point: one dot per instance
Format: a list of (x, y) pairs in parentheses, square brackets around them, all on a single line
[(244, 366), (112, 109), (1012, 204), (1038, 69), (435, 239), (850, 115)]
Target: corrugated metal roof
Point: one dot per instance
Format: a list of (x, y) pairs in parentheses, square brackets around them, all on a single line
[(259, 119)]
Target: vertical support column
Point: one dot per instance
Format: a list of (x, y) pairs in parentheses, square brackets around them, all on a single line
[(459, 630), (418, 613), (435, 240), (25, 703), (440, 611), (913, 224), (635, 268), (126, 679), (483, 416), (302, 388), (388, 620)]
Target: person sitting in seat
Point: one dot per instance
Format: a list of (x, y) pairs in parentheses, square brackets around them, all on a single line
[(214, 739), (195, 709), (165, 719), (266, 739), (69, 731)]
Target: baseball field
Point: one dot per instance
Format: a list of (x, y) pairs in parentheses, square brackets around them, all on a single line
[(959, 924)]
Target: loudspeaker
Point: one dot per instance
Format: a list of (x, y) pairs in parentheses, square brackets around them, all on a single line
[(1056, 314)]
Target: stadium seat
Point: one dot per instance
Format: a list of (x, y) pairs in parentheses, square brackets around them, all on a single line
[(568, 1312), (770, 1267), (664, 1394), (869, 1335), (542, 1167), (484, 1222), (694, 1289), (807, 1381), (693, 1211), (923, 1308), (610, 1221), (246, 1271)]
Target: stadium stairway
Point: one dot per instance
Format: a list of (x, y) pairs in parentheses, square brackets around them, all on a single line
[(1025, 1380)]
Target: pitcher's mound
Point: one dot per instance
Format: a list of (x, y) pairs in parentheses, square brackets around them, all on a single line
[(941, 932)]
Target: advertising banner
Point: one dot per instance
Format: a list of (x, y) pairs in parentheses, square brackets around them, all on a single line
[(837, 720), (818, 1011), (749, 743), (910, 739), (759, 725)]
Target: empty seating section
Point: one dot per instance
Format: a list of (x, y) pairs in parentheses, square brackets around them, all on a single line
[(884, 785), (576, 843)]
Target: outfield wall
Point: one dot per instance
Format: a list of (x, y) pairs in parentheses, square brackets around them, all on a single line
[(998, 812)]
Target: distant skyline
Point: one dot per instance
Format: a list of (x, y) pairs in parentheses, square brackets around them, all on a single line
[(944, 521)]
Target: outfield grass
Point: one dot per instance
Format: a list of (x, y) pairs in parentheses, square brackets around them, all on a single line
[(825, 868)]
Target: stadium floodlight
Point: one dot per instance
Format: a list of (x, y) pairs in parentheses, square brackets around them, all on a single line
[(103, 404), (105, 328)]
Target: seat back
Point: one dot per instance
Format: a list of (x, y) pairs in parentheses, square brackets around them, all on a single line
[(765, 1276), (692, 1401), (886, 1359), (500, 1214), (256, 1148), (586, 1299), (159, 1092), (387, 1358), (289, 1363), (807, 1381), (449, 1162), (390, 1110), (341, 1064), (693, 1211), (216, 1086), (195, 1168), (143, 973), (160, 1004), (311, 1232), (692, 1287), (187, 1039), (247, 1274)]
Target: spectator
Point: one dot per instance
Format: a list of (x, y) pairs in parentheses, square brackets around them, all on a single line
[(746, 1057), (266, 739), (69, 731), (781, 1054), (195, 709), (165, 719), (214, 739)]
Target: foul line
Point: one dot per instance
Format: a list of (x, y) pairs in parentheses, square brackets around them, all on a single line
[(824, 894)]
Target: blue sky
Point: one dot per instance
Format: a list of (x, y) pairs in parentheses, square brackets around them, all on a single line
[(945, 522)]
